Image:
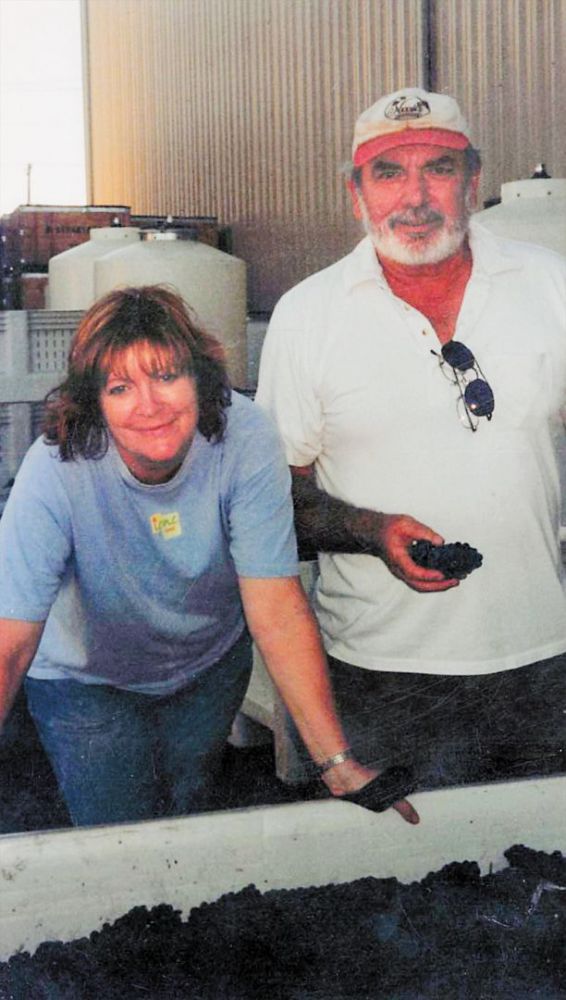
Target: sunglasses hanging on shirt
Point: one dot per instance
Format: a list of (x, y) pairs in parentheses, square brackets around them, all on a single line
[(475, 394)]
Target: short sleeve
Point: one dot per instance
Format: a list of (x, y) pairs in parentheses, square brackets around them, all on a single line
[(259, 508), (35, 539), (287, 383)]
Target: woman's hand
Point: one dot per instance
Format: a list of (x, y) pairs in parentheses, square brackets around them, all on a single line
[(351, 776), (286, 633)]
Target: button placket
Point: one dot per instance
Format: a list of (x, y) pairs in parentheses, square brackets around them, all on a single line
[(420, 326)]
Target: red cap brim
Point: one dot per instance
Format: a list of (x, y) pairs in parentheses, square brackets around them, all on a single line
[(409, 137)]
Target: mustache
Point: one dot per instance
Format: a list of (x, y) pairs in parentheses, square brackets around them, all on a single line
[(415, 217)]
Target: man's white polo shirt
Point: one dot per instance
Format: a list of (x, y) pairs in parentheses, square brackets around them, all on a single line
[(352, 375)]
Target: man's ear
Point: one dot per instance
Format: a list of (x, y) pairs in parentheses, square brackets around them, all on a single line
[(472, 192), (355, 197)]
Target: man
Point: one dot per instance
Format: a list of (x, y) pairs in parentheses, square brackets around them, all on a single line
[(372, 371)]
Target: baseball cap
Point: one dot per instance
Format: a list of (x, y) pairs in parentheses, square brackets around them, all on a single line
[(406, 117)]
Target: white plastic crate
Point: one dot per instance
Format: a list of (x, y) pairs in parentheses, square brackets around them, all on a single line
[(33, 359)]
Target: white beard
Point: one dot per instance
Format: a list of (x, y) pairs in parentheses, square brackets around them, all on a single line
[(446, 241)]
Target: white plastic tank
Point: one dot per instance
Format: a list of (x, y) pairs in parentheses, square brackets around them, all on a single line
[(532, 210), (211, 282), (71, 273)]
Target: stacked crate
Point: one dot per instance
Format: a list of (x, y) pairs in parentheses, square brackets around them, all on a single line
[(33, 359)]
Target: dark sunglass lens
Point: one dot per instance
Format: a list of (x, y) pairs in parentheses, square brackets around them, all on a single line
[(458, 355), (478, 397)]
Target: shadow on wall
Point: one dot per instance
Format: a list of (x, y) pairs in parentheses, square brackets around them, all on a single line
[(280, 255)]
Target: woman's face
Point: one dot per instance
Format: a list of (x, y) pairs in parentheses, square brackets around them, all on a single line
[(151, 411)]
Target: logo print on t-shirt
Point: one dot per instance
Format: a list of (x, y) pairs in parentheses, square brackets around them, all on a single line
[(166, 525)]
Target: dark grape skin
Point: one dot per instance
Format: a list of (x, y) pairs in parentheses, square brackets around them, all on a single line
[(455, 559)]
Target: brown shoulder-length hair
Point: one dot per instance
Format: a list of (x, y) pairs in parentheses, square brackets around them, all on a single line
[(154, 315)]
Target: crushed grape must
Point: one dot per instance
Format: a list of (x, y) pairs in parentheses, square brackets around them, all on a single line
[(454, 934)]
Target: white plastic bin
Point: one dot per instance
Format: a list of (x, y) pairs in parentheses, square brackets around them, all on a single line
[(63, 885)]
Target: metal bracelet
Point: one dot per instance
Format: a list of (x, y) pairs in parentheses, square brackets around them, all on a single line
[(337, 758)]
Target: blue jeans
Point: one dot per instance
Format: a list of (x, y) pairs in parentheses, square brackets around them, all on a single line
[(120, 756)]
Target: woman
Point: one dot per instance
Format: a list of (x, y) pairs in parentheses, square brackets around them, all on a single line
[(150, 519)]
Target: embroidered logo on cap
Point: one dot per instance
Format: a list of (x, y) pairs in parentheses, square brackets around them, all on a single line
[(166, 525), (405, 108)]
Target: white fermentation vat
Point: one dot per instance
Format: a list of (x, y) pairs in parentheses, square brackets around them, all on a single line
[(211, 282), (63, 885), (532, 210), (71, 273)]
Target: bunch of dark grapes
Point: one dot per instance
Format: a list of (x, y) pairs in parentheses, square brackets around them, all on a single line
[(455, 559)]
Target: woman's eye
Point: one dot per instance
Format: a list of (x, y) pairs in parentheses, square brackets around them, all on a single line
[(116, 390), (167, 376)]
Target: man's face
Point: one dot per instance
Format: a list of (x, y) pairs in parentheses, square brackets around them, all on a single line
[(415, 202)]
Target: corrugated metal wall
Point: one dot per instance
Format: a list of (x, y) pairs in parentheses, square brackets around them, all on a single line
[(244, 109), (505, 60)]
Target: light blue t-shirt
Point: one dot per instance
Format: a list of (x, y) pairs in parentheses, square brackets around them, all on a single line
[(139, 583)]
